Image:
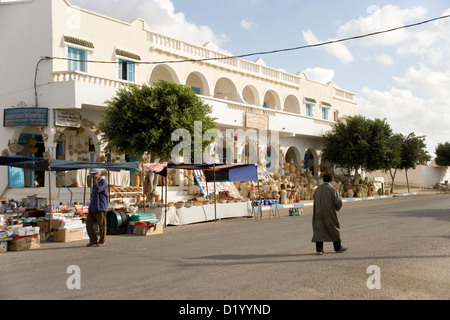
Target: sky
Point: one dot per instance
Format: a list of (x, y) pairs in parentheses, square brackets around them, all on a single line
[(402, 76)]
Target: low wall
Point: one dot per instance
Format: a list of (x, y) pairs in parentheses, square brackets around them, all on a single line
[(421, 177)]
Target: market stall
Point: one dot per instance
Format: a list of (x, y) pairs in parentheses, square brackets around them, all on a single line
[(218, 175), (56, 222)]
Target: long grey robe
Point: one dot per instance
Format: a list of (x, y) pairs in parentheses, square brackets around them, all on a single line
[(325, 222)]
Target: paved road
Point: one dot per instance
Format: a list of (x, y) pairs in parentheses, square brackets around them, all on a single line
[(407, 238)]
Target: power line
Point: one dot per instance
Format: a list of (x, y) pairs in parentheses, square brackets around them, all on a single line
[(248, 54), (273, 51)]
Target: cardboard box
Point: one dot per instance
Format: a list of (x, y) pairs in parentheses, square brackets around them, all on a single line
[(3, 246), (6, 235), (68, 235), (24, 243), (56, 224), (43, 226), (147, 231)]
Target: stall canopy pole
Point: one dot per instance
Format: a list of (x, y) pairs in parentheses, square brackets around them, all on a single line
[(215, 196), (50, 196), (143, 191), (85, 184), (165, 199), (109, 188)]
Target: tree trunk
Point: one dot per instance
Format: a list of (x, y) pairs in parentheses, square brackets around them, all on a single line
[(407, 180), (392, 179), (151, 183)]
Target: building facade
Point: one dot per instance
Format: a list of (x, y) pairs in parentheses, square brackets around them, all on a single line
[(61, 63)]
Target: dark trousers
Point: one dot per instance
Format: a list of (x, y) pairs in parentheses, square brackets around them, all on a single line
[(100, 219), (319, 246)]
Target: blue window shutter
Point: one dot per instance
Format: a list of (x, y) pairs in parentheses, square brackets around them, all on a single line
[(71, 63), (16, 178), (80, 55), (324, 113), (120, 69), (130, 71), (82, 63)]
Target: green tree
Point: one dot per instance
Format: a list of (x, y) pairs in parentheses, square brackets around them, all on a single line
[(393, 158), (140, 120), (356, 142), (412, 153), (443, 154)]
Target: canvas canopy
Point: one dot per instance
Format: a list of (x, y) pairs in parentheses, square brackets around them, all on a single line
[(8, 161), (63, 165), (223, 172)]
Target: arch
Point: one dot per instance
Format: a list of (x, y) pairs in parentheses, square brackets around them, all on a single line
[(249, 154), (292, 104), (293, 154), (163, 72), (311, 162), (226, 89), (272, 100), (336, 116), (251, 96), (27, 142), (197, 80)]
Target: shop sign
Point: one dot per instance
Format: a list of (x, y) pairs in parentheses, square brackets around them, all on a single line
[(65, 118), (18, 117), (256, 121)]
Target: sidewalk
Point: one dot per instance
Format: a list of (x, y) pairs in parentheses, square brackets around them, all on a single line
[(399, 191)]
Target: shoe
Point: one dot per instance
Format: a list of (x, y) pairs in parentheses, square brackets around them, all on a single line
[(90, 244), (320, 253), (342, 249)]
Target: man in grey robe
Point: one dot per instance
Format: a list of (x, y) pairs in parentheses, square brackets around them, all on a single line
[(326, 227)]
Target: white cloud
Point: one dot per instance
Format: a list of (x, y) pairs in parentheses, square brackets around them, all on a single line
[(407, 113), (160, 16), (427, 82), (384, 59), (247, 24), (379, 19), (319, 74), (339, 50), (419, 100)]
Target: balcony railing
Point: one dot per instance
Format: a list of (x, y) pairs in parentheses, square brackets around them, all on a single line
[(190, 51), (64, 76)]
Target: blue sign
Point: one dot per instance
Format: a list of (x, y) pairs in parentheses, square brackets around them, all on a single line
[(25, 117)]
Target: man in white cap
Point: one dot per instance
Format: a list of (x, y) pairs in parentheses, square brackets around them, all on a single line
[(97, 209)]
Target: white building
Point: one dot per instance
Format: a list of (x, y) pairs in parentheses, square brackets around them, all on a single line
[(37, 34)]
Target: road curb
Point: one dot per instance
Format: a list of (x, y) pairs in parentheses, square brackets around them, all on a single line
[(344, 200)]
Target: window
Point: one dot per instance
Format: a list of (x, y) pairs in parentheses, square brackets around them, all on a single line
[(265, 105), (324, 113), (126, 70), (77, 59), (309, 110), (196, 90)]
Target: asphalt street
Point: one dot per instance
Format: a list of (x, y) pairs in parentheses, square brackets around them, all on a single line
[(398, 249)]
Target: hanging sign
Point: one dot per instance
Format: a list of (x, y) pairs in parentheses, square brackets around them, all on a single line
[(64, 118), (257, 121), (18, 117)]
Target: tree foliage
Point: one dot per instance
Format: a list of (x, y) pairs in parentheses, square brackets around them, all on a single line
[(443, 154), (360, 143), (140, 120), (410, 152), (357, 142)]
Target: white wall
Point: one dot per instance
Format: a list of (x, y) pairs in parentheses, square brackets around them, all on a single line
[(20, 51), (421, 177)]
